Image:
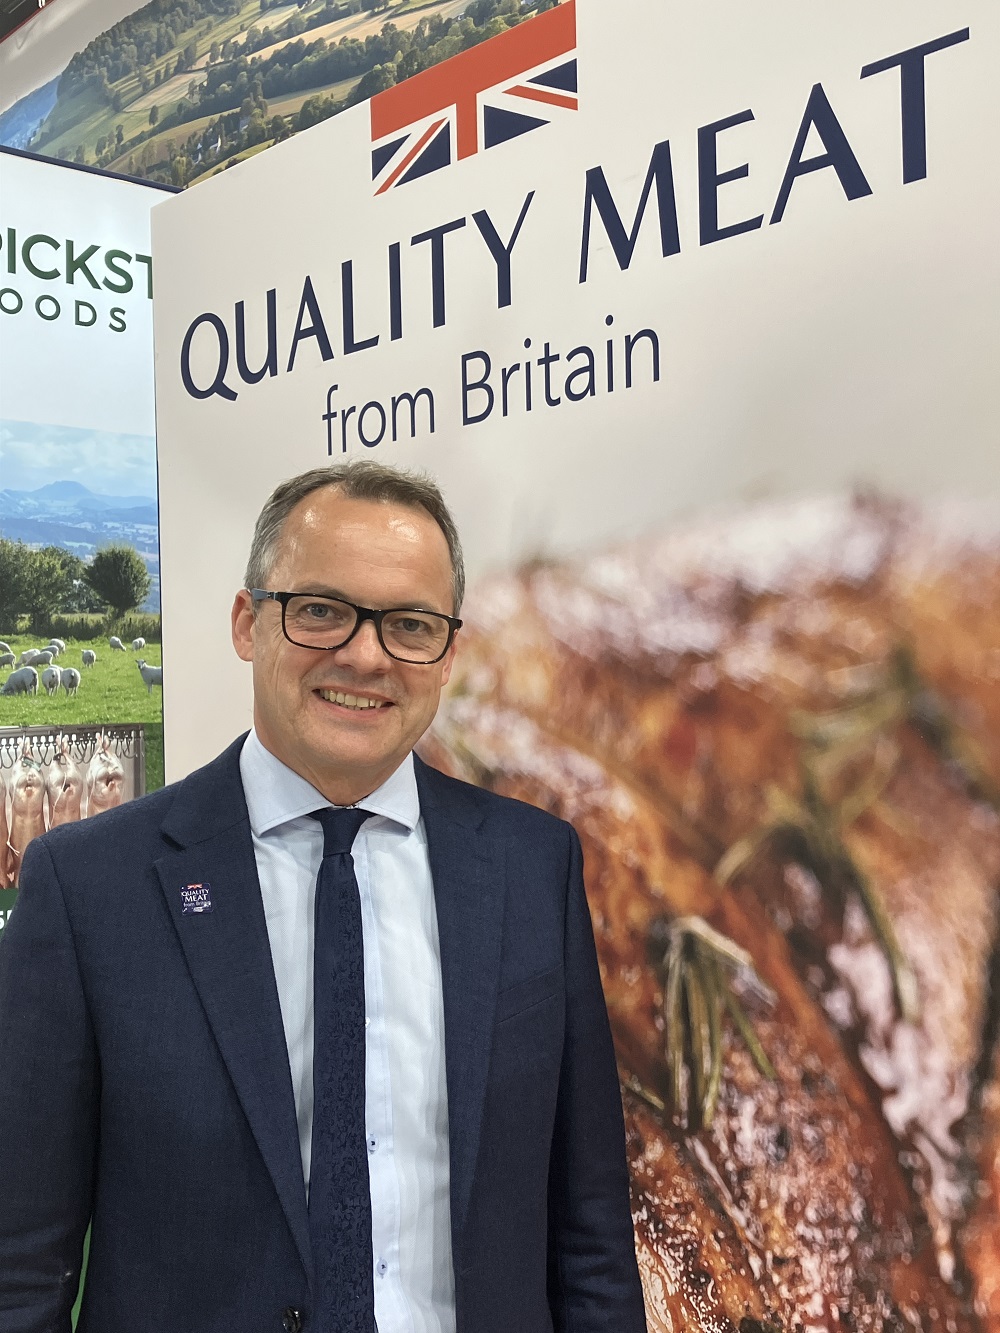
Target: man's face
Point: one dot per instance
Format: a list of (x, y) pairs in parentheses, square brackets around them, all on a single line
[(372, 554)]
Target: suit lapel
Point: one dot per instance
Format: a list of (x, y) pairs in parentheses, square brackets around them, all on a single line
[(468, 872), (229, 955)]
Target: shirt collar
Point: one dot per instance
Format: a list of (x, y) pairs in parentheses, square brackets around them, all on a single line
[(276, 794)]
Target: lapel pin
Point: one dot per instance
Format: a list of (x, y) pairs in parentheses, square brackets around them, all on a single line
[(196, 898)]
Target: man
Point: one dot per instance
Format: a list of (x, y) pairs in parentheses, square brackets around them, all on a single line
[(315, 1038)]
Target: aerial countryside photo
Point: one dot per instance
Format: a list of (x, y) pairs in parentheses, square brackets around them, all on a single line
[(182, 89)]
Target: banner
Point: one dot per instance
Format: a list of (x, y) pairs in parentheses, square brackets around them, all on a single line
[(692, 312), (79, 557)]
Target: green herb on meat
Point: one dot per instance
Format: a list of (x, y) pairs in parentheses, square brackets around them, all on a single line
[(700, 969)]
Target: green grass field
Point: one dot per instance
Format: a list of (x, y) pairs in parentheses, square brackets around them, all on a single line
[(112, 690), (287, 106)]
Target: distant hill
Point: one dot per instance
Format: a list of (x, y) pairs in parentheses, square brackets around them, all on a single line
[(69, 514), (20, 121), (62, 499)]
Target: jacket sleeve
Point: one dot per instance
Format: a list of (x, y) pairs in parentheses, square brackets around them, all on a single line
[(49, 1087), (593, 1277)]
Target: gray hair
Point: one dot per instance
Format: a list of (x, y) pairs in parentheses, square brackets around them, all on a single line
[(364, 480)]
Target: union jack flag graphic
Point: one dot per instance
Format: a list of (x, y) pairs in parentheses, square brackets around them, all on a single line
[(505, 87)]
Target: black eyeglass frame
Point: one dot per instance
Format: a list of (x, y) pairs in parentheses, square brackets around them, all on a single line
[(363, 613)]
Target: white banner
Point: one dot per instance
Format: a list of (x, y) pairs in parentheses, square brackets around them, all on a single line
[(800, 332), (77, 420), (76, 279)]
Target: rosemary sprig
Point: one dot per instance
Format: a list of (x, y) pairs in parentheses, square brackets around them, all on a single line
[(819, 825), (699, 967), (830, 741), (638, 1089)]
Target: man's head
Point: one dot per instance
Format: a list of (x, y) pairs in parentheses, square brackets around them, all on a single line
[(376, 537)]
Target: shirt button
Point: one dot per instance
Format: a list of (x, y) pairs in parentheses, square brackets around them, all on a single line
[(367, 1022), (372, 1142), (381, 1268)]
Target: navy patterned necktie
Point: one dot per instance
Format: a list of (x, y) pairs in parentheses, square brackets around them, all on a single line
[(340, 1213)]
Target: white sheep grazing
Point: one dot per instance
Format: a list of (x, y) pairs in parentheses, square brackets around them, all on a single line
[(116, 644), (151, 675), (138, 644), (43, 658), (28, 656), (70, 680), (51, 677), (89, 657), (7, 659), (22, 681), (53, 648), (59, 643), (5, 647)]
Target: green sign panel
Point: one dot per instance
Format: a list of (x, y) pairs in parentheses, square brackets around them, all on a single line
[(7, 900)]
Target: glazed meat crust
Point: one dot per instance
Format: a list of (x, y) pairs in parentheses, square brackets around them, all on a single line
[(679, 712)]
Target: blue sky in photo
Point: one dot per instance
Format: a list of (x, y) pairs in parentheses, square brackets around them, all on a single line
[(108, 464)]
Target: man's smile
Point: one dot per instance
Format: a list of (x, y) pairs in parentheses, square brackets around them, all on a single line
[(356, 702)]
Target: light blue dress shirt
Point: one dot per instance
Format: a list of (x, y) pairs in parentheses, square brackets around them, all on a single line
[(406, 1099)]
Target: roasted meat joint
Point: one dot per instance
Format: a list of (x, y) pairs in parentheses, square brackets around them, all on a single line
[(778, 735)]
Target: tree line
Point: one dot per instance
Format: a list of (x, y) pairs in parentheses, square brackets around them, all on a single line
[(138, 40), (43, 582), (308, 65)]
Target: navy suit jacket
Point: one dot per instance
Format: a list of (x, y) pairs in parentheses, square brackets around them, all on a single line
[(145, 1086)]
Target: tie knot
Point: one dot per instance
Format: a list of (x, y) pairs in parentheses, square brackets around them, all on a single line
[(340, 827)]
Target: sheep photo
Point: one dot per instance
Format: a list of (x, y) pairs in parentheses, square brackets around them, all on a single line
[(53, 682), (100, 680)]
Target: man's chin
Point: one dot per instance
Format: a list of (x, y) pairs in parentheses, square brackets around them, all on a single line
[(335, 755)]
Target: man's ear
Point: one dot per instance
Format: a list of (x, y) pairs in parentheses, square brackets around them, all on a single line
[(243, 625), (449, 660)]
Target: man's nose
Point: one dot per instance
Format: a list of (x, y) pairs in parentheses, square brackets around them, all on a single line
[(363, 652)]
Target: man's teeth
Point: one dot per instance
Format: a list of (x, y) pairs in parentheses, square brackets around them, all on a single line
[(350, 700)]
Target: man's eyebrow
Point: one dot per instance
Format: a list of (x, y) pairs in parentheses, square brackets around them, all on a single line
[(321, 590)]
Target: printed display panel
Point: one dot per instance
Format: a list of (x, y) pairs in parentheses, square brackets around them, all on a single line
[(704, 364), (79, 525)]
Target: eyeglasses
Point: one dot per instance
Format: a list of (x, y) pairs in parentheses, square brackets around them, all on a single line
[(406, 633)]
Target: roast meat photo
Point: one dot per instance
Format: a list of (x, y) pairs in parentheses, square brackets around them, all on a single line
[(777, 731)]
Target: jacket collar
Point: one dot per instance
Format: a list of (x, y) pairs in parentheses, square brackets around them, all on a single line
[(208, 801), (211, 799)]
